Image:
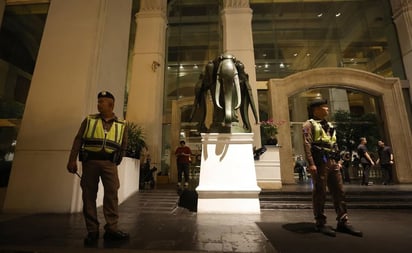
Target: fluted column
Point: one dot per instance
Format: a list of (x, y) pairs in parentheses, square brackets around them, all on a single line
[(145, 100), (402, 16), (238, 41)]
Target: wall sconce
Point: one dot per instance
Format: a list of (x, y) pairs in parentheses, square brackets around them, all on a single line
[(155, 65)]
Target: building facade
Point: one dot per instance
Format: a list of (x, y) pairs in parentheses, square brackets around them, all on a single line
[(150, 54)]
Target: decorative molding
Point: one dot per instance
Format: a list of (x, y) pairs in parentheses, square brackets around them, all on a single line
[(21, 2), (235, 4), (400, 7), (153, 5)]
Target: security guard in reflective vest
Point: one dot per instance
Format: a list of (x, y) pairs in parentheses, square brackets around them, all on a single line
[(324, 165), (100, 144)]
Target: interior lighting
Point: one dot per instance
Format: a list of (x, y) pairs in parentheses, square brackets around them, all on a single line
[(320, 15), (337, 14), (281, 65), (295, 54)]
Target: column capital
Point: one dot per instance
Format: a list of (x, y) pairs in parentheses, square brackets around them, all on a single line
[(236, 4), (399, 7), (153, 5)]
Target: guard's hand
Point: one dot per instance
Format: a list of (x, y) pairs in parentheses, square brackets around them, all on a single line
[(72, 167), (312, 169)]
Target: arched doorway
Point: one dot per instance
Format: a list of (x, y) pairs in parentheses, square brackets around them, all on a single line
[(353, 113), (386, 90)]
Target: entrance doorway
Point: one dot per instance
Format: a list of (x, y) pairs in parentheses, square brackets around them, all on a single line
[(354, 114), (380, 95)]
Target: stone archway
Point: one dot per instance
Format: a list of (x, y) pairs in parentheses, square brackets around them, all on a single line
[(388, 89)]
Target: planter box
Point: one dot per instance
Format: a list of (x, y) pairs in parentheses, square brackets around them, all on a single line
[(268, 169)]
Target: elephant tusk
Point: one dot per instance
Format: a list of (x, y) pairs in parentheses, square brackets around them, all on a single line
[(217, 92), (237, 87)]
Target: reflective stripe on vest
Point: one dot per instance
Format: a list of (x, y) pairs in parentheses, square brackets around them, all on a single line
[(320, 137), (96, 139)]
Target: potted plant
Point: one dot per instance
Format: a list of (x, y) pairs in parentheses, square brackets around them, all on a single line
[(135, 140), (269, 128)]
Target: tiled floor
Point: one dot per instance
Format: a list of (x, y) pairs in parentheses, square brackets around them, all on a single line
[(156, 225)]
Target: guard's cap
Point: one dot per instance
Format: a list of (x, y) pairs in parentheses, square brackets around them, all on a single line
[(318, 102), (105, 94)]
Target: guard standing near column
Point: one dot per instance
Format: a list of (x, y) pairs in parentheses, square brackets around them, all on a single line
[(100, 144), (323, 159)]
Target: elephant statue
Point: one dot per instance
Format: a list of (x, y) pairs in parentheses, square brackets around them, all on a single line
[(230, 90)]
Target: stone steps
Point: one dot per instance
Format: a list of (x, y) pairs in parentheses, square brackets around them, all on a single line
[(379, 199)]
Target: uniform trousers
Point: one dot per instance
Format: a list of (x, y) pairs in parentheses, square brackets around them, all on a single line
[(93, 170), (328, 175)]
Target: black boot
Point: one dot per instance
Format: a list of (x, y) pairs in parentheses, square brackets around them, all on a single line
[(345, 227), (326, 230), (91, 239), (115, 236)]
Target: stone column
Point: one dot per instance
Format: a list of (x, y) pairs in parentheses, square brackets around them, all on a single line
[(238, 41), (145, 101), (402, 16), (83, 50)]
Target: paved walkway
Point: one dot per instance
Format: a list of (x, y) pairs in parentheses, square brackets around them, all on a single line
[(156, 225)]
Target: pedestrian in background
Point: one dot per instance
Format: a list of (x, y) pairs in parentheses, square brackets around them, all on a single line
[(323, 158), (183, 160), (100, 144), (386, 162), (365, 160), (346, 163), (300, 166)]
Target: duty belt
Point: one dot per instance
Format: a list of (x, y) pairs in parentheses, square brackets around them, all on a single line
[(99, 156), (327, 153), (323, 146)]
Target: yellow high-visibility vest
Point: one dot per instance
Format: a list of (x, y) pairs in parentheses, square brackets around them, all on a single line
[(320, 137), (96, 139)]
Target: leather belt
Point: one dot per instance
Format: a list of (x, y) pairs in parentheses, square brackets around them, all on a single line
[(99, 156)]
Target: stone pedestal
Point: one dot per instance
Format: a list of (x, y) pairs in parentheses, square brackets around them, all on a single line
[(268, 169), (227, 181)]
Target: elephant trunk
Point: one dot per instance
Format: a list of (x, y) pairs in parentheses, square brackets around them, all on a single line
[(228, 76)]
